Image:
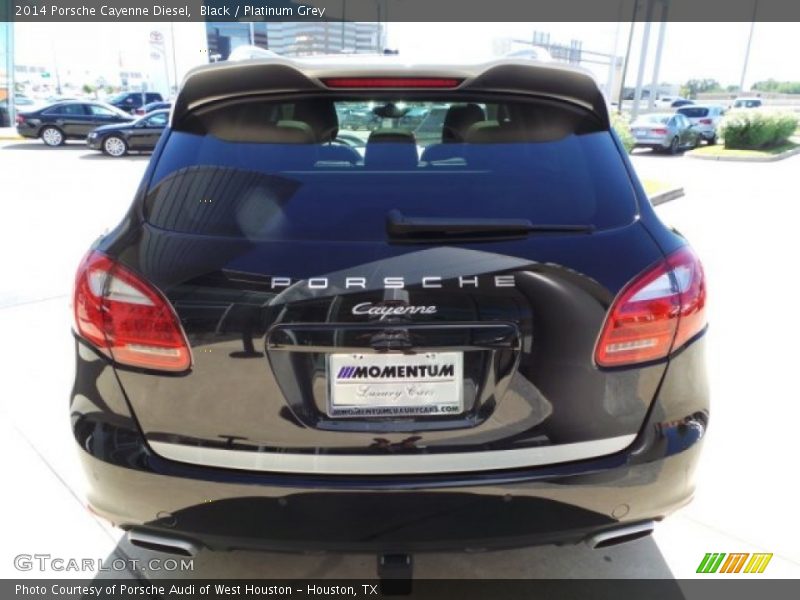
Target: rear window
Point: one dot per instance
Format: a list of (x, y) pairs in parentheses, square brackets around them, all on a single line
[(332, 169), (66, 109), (694, 112), (659, 119)]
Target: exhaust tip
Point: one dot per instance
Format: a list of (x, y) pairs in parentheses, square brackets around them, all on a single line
[(621, 535), (162, 543)]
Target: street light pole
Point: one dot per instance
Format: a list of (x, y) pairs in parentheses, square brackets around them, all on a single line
[(344, 17), (749, 43), (174, 60), (659, 48), (637, 95), (627, 57), (55, 67)]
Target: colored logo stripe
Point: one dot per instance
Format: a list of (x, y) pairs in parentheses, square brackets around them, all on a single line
[(734, 562), (713, 562), (345, 373), (758, 563), (710, 563)]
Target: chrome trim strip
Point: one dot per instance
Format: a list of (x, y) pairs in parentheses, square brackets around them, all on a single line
[(393, 464)]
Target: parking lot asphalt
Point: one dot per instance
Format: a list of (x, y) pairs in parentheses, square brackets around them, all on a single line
[(742, 219)]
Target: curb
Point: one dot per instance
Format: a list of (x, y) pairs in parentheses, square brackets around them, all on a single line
[(11, 138), (773, 158), (666, 196)]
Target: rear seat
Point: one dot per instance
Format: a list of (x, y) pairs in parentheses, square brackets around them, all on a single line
[(457, 122), (320, 115), (394, 149)]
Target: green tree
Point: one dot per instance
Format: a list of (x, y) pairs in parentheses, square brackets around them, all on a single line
[(691, 88), (779, 87)]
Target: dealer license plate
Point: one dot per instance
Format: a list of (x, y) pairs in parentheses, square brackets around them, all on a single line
[(395, 385)]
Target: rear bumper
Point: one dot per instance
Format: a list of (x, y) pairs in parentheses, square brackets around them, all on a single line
[(469, 516), (651, 142), (233, 509), (28, 132)]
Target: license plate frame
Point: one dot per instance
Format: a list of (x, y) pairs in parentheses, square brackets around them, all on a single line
[(380, 392)]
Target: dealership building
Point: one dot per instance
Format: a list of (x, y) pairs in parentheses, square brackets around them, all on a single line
[(294, 38)]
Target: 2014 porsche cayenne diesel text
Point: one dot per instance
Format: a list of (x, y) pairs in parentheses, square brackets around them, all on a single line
[(303, 338)]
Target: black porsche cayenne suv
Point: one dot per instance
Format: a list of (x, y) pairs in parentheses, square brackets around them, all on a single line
[(297, 341)]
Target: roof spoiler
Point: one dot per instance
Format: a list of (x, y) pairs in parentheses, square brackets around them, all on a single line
[(278, 75)]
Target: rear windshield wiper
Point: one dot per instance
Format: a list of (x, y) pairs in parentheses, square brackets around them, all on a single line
[(401, 228)]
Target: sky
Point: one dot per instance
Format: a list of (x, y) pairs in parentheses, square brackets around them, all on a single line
[(691, 50)]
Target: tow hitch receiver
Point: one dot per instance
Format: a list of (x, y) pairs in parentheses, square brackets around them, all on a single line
[(395, 572)]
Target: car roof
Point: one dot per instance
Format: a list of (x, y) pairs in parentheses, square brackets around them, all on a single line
[(656, 114), (231, 79)]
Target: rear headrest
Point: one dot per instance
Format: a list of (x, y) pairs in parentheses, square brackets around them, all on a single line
[(397, 136), (295, 132), (494, 132), (252, 124), (459, 118), (320, 115), (391, 149)]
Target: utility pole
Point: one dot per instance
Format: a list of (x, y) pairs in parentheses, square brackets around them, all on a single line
[(749, 43)]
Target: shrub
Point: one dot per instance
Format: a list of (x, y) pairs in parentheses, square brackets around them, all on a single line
[(623, 130), (756, 129)]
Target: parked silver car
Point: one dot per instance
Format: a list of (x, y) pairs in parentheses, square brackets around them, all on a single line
[(747, 103), (705, 118), (670, 132)]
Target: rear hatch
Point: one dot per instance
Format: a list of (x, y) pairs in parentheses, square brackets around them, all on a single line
[(392, 305), (697, 115)]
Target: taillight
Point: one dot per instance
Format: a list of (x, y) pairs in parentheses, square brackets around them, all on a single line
[(20, 119), (660, 131), (391, 82), (705, 121), (656, 313), (126, 318)]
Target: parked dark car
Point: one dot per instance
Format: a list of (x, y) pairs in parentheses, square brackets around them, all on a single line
[(130, 101), (139, 135), (286, 344), (57, 123), (413, 117), (432, 125), (148, 108), (360, 117), (681, 102)]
